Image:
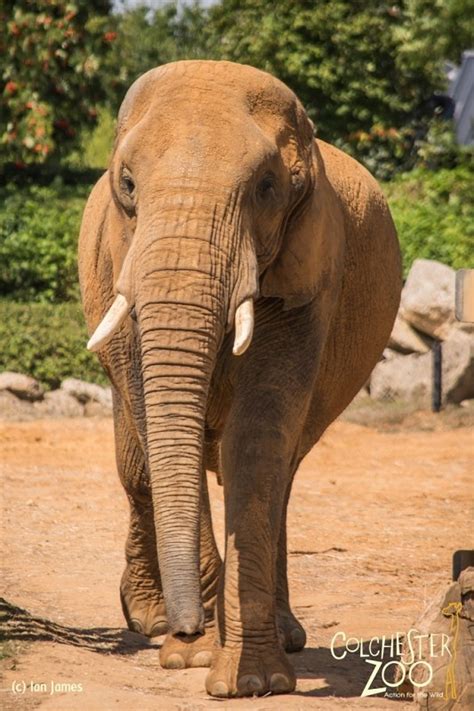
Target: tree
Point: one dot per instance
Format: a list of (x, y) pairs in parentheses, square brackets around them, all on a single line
[(150, 37), (51, 68), (364, 69)]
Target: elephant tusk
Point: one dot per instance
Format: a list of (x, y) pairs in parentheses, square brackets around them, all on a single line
[(244, 320), (112, 320)]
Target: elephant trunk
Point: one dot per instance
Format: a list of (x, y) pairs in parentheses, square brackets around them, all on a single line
[(177, 363), (181, 301)]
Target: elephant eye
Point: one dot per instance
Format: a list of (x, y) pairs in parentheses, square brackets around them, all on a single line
[(127, 184), (266, 187)]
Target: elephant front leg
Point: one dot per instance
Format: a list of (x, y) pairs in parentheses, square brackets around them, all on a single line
[(179, 652), (249, 658), (290, 630)]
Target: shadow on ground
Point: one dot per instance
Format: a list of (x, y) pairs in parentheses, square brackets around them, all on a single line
[(344, 677), (20, 625)]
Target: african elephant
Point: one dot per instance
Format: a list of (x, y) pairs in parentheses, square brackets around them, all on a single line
[(240, 280)]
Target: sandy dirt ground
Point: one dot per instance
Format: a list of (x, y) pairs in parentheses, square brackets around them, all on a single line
[(374, 520)]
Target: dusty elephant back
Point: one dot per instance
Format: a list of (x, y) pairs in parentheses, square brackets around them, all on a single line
[(370, 291)]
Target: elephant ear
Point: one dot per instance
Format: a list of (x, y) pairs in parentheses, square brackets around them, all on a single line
[(309, 257), (103, 246)]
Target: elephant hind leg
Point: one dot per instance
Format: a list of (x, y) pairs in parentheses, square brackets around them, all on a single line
[(140, 588)]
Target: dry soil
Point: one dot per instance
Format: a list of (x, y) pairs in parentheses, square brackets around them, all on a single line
[(374, 520)]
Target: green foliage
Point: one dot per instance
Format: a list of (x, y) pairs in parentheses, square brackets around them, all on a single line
[(96, 143), (52, 67), (440, 149), (435, 30), (365, 71), (434, 215), (150, 37), (433, 212), (39, 227), (47, 341), (344, 59)]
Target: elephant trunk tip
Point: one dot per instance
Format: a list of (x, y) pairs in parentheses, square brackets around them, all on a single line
[(187, 623)]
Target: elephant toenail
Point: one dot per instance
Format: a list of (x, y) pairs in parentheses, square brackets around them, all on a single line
[(136, 626), (174, 661), (202, 659), (159, 628), (220, 689), (279, 683), (249, 684), (298, 639)]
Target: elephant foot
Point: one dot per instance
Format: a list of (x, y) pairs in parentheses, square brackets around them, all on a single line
[(245, 672), (192, 651), (142, 604), (290, 631)]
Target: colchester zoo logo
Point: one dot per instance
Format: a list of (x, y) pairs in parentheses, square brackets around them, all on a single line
[(402, 666)]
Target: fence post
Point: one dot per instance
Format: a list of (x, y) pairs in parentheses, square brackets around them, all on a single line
[(437, 381)]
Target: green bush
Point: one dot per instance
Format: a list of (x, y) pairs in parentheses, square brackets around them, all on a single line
[(434, 215), (53, 67), (433, 212), (47, 341), (39, 227), (96, 144)]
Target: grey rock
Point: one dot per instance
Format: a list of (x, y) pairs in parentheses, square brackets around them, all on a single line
[(362, 396), (88, 392), (59, 403), (404, 338), (23, 386), (409, 377), (13, 409), (458, 367), (428, 298), (96, 409), (405, 378), (388, 354)]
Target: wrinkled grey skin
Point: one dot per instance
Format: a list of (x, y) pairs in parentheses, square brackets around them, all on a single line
[(217, 192)]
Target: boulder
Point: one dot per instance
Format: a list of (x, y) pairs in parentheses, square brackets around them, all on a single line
[(409, 377), (13, 409), (362, 396), (458, 367), (96, 409), (23, 386), (59, 403), (405, 378), (388, 354), (404, 338), (88, 392), (428, 298)]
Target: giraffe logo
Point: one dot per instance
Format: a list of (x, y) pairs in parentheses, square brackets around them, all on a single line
[(452, 610)]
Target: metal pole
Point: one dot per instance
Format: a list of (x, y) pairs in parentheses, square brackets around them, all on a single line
[(437, 383)]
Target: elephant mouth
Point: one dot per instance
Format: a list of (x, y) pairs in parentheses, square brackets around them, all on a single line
[(117, 313)]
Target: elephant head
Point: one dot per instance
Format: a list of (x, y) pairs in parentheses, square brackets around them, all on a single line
[(217, 196)]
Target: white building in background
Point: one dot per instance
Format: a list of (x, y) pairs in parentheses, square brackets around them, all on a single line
[(461, 90)]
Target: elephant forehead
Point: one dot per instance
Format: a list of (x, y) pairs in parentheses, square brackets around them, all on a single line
[(176, 136), (200, 82)]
